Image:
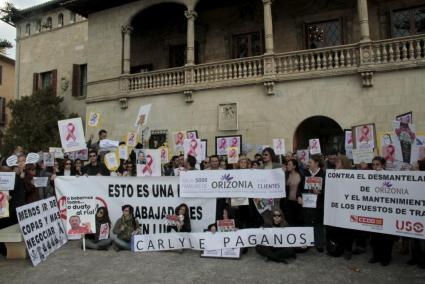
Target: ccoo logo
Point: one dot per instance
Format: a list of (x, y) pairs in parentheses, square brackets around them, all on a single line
[(409, 226)]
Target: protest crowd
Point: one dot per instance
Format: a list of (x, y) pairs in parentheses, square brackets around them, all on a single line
[(246, 213)]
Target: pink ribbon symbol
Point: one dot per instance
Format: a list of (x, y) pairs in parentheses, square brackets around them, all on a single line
[(234, 142), (349, 139), (314, 146), (71, 129), (104, 231), (179, 138), (365, 134), (303, 155), (193, 148), (148, 166), (223, 143), (390, 153)]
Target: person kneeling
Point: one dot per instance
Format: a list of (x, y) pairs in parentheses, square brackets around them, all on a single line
[(274, 253), (100, 240), (124, 228)]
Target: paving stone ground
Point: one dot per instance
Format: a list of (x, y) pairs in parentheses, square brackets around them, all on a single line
[(71, 265)]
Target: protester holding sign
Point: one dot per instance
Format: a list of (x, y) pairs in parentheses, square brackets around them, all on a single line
[(313, 215), (31, 192), (182, 221), (277, 254), (100, 240), (124, 228), (382, 244)]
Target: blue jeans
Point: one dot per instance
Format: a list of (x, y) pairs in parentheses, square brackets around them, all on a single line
[(121, 243)]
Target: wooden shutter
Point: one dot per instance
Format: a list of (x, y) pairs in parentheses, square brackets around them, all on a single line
[(3, 111), (76, 80), (35, 81), (54, 81)]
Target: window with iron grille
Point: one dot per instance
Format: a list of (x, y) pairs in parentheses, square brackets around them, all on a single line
[(323, 34), (408, 22), (247, 45), (157, 138)]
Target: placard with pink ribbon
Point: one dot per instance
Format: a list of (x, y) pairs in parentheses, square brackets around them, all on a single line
[(72, 134), (151, 166)]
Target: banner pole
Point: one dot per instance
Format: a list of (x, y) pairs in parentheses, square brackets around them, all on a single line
[(84, 242)]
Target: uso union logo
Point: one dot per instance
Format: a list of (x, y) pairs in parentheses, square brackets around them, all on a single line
[(416, 228)]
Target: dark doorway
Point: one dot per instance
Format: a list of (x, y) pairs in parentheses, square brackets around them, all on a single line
[(326, 129)]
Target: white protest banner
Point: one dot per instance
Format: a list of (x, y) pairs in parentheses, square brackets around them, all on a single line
[(192, 147), (57, 152), (233, 183), (142, 116), (41, 228), (363, 155), (279, 146), (7, 180), (40, 181), (276, 237), (314, 145), (49, 159), (4, 204), (80, 215), (153, 198), (388, 202), (72, 134)]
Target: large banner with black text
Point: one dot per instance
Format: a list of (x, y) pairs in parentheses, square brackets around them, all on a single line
[(233, 183), (389, 202), (153, 198), (275, 237)]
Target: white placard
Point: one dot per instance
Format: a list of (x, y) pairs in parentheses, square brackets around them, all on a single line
[(7, 180), (153, 198), (276, 237), (193, 147), (303, 156), (363, 155), (314, 146), (148, 162), (309, 200), (72, 134), (143, 115), (93, 119), (81, 211), (49, 159), (279, 146), (40, 181), (232, 155), (42, 228), (233, 183), (388, 202), (57, 152)]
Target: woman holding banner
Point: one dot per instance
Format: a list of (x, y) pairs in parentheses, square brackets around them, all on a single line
[(124, 228), (382, 244), (183, 220), (315, 190), (100, 240), (273, 253)]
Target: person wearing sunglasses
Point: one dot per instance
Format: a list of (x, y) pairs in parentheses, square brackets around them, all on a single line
[(66, 168), (274, 253), (94, 167)]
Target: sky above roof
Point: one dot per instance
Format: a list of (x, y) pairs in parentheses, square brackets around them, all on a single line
[(8, 32)]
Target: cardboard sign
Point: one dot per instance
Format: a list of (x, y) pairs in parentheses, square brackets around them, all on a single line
[(81, 217), (49, 159), (309, 200), (123, 152), (93, 119), (57, 152), (178, 140), (303, 156), (112, 161), (232, 155), (72, 134), (164, 155), (192, 147), (363, 155), (40, 181), (131, 139), (148, 162), (104, 231), (4, 204), (143, 115), (313, 183)]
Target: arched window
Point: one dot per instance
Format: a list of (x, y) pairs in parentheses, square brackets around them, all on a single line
[(48, 25), (73, 17), (60, 20), (38, 26), (28, 29)]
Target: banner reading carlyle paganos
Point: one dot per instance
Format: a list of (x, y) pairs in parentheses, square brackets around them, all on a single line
[(233, 183), (376, 201), (153, 198)]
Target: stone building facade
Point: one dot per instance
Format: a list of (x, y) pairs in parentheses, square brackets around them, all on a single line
[(7, 90), (296, 69)]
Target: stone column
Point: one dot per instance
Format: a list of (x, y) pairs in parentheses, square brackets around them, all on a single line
[(268, 26), (190, 51), (127, 30), (362, 12)]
